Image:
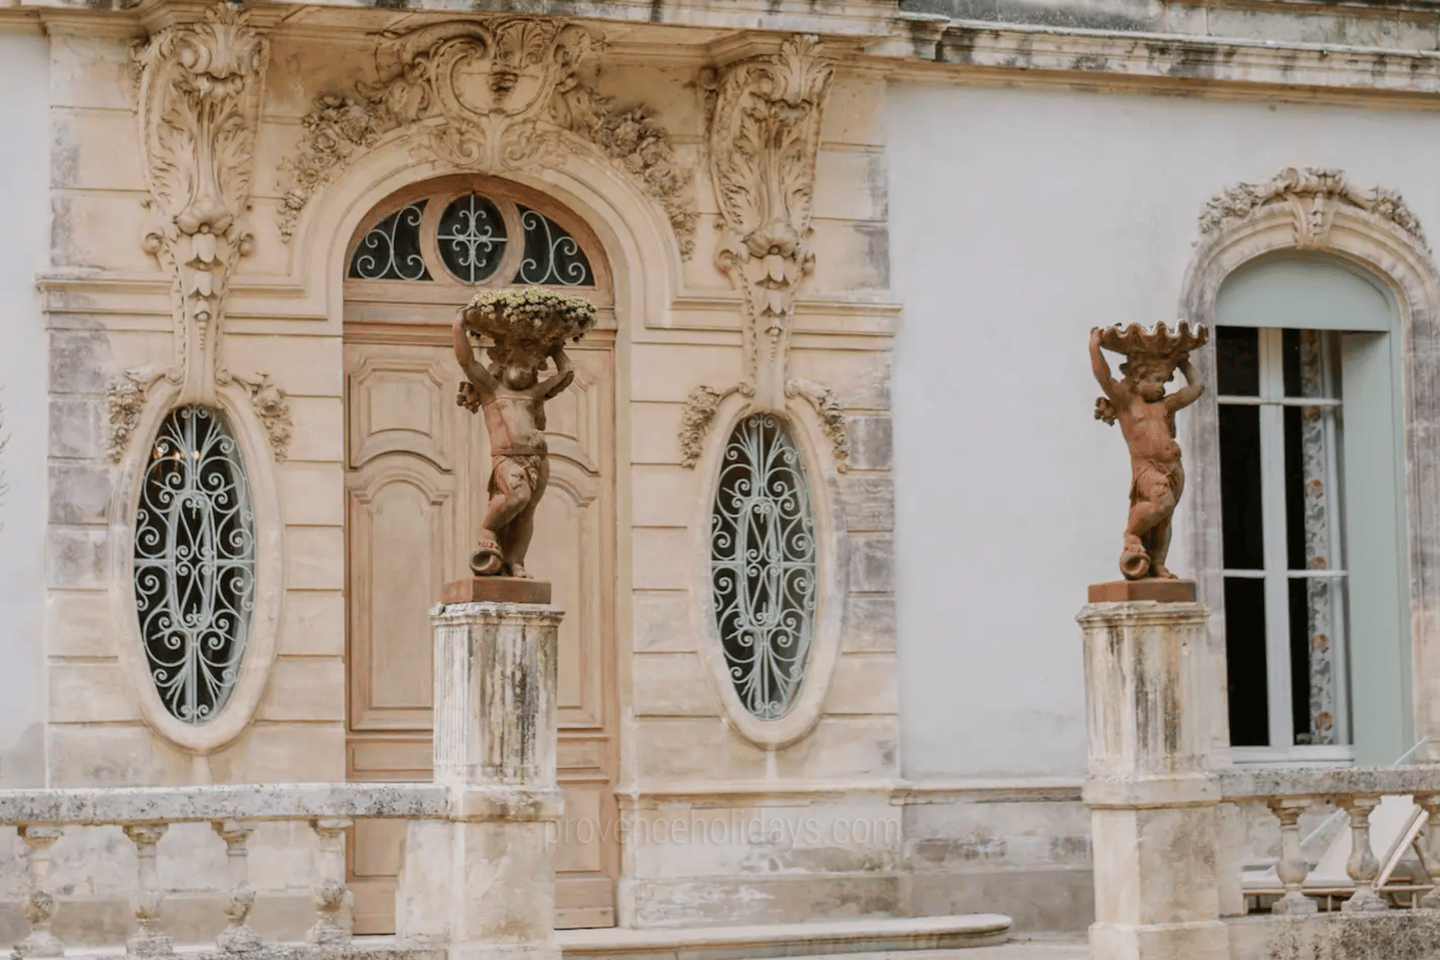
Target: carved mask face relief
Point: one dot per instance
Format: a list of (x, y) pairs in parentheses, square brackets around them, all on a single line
[(508, 76)]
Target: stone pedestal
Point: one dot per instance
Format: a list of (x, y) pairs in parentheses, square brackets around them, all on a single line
[(1153, 800), (481, 885)]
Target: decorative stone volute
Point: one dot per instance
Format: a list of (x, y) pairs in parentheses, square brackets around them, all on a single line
[(198, 93), (765, 115)]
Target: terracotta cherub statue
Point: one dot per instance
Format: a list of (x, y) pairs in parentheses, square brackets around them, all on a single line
[(527, 329), (1147, 419)]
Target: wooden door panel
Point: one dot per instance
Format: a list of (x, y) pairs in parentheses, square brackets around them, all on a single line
[(401, 524)]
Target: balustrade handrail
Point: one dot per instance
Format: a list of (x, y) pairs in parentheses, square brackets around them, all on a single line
[(105, 806), (1238, 784)]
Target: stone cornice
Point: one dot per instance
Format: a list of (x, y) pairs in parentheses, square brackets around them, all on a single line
[(930, 49), (935, 48)]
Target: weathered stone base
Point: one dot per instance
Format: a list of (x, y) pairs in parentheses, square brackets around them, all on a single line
[(496, 590), (1161, 591), (1397, 935)]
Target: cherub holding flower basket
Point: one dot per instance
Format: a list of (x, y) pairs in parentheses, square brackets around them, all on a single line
[(525, 329)]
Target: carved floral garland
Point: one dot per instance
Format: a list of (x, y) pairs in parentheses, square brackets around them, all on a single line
[(1312, 195), (490, 95)]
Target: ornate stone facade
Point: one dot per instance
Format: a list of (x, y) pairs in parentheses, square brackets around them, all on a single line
[(492, 95)]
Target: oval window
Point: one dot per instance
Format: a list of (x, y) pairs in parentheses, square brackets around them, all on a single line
[(194, 563), (762, 565)]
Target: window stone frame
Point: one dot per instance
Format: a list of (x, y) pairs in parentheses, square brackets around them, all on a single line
[(1399, 261)]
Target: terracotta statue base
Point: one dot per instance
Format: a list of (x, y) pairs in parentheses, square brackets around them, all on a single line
[(1161, 591), (496, 590)]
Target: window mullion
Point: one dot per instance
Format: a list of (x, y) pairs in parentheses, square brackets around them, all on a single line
[(1272, 506)]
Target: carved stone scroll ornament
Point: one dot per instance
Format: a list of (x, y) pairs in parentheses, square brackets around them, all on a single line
[(125, 402), (1147, 419), (1312, 195), (703, 401), (832, 417), (700, 409), (491, 95), (270, 407), (198, 92), (765, 115)]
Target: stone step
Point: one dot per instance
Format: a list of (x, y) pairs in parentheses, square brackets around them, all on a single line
[(816, 939)]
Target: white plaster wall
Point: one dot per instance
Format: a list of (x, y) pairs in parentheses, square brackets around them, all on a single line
[(24, 213), (1019, 220)]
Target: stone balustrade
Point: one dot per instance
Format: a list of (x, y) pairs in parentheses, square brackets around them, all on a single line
[(42, 818), (1357, 791)]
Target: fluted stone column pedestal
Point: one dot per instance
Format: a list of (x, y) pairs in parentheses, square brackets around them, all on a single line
[(481, 885), (1153, 801)]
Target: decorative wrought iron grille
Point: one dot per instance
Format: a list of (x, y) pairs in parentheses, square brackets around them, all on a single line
[(551, 254), (472, 238), (194, 563), (391, 248), (762, 565)]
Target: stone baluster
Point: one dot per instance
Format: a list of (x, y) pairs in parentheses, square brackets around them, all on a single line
[(1430, 849), (331, 895), (1362, 866), (40, 901), (1292, 868), (237, 937), (148, 940)]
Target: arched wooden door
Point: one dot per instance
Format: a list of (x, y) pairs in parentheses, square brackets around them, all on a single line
[(416, 471)]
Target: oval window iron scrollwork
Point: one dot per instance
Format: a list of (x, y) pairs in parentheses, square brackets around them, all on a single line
[(763, 565), (194, 563)]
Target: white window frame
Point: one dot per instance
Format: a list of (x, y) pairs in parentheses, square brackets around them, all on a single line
[(1276, 572)]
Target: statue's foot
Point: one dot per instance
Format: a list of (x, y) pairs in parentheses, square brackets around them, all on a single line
[(487, 560), (1160, 572), (516, 570)]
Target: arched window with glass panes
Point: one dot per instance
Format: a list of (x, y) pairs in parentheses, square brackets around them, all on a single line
[(1307, 358), (475, 232)]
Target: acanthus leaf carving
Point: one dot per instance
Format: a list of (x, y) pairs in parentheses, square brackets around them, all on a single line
[(765, 114), (270, 406), (491, 95), (1312, 195), (198, 93), (832, 417)]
